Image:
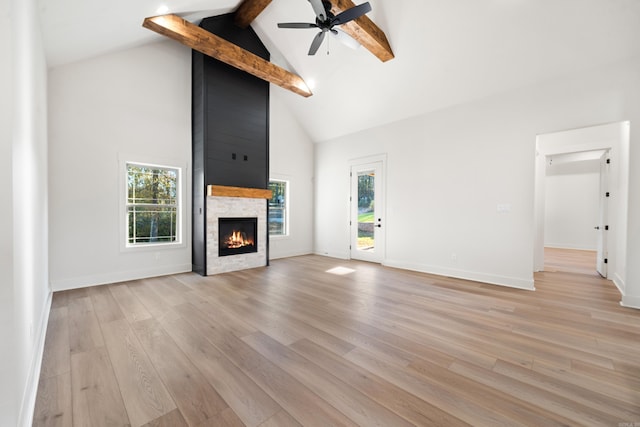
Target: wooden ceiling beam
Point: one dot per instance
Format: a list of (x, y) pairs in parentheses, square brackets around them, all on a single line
[(248, 11), (364, 31), (203, 41)]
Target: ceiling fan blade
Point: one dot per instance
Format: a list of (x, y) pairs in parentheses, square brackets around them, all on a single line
[(319, 9), (351, 14), (345, 38), (297, 25), (317, 41)]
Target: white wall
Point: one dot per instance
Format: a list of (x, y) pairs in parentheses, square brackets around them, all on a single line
[(8, 413), (24, 289), (291, 159), (136, 105), (448, 171), (129, 105), (572, 205)]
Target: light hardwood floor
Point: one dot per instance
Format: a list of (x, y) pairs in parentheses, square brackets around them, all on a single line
[(570, 261), (293, 344)]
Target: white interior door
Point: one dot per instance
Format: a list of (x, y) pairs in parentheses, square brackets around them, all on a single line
[(603, 228), (367, 208)]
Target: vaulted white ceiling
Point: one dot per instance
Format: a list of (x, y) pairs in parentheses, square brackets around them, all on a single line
[(447, 51)]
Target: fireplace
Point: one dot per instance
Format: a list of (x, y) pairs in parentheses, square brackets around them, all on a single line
[(243, 211), (237, 236)]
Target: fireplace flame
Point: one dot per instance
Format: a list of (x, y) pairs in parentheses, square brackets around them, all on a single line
[(238, 239)]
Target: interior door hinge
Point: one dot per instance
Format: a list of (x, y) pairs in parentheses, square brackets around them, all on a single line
[(607, 194), (606, 260), (606, 227), (608, 161)]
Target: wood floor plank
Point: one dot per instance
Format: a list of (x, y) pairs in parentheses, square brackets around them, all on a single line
[(236, 325), (590, 398), (294, 344), (281, 419), (357, 406), (84, 329), (467, 410), (397, 399), (144, 393), (105, 306), (564, 407), (57, 360), (132, 308), (227, 418), (567, 376), (171, 290), (155, 305), (290, 394), (60, 299), (171, 419), (53, 404), (249, 402), (96, 396), (194, 396), (570, 261), (518, 410)]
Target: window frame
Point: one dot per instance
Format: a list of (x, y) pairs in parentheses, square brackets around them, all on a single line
[(180, 240), (287, 209)]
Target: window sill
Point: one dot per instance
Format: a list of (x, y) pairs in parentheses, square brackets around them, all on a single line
[(279, 237), (148, 247)]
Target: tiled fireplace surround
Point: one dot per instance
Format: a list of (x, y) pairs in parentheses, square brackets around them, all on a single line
[(235, 202)]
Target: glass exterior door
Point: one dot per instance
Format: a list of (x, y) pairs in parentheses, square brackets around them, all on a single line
[(366, 212)]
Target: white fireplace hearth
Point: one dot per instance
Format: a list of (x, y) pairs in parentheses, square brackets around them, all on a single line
[(235, 202)]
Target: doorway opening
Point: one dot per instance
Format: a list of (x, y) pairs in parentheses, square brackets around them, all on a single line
[(575, 217), (605, 150)]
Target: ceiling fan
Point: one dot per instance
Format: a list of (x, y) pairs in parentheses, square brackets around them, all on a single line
[(326, 21)]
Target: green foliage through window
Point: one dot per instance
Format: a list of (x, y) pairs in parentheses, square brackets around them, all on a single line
[(152, 204), (278, 208)]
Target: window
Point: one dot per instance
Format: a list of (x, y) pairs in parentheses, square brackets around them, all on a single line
[(152, 204), (278, 208)]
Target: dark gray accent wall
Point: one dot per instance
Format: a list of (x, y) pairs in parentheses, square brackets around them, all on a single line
[(230, 126)]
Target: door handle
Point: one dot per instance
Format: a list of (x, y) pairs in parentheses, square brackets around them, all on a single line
[(378, 225)]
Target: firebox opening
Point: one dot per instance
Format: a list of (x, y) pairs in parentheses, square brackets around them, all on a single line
[(237, 236)]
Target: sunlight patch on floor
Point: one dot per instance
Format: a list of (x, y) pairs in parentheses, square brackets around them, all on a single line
[(341, 271)]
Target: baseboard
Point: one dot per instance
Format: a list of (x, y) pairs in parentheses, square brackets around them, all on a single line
[(116, 277), (25, 418), (288, 254), (617, 280), (333, 254), (493, 279), (569, 246), (630, 302)]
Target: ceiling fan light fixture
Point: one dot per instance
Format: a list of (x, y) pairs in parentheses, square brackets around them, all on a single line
[(326, 21)]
